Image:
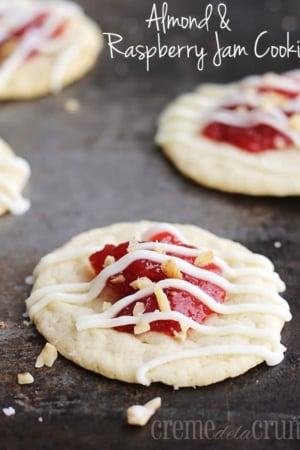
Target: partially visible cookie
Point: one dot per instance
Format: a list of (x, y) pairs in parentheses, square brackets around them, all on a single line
[(44, 46), (242, 137), (145, 302), (14, 174)]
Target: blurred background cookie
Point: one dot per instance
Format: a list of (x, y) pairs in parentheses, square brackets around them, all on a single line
[(14, 173), (44, 46)]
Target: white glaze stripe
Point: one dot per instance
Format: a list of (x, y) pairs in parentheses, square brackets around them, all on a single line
[(99, 282), (271, 358)]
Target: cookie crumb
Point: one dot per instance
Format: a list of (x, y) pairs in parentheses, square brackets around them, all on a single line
[(141, 414), (277, 244), (25, 378), (10, 411), (27, 323), (29, 280), (72, 105), (3, 325), (294, 122), (47, 356)]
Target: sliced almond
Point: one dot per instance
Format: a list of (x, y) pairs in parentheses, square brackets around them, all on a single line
[(108, 261), (271, 100), (141, 327), (140, 414), (47, 356), (106, 306), (72, 105), (241, 109), (184, 327), (204, 259), (170, 269), (138, 309), (141, 283), (25, 378), (118, 279), (8, 48), (132, 245), (180, 335), (158, 249), (280, 142), (294, 122), (162, 300)]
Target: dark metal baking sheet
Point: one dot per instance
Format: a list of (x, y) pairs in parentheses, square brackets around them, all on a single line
[(100, 166)]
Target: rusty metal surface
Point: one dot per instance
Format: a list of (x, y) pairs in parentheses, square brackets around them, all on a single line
[(100, 166)]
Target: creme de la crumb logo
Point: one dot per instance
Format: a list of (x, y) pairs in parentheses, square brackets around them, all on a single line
[(161, 20), (258, 430)]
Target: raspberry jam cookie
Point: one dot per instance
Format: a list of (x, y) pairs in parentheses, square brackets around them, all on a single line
[(14, 174), (242, 137), (44, 45), (144, 302)]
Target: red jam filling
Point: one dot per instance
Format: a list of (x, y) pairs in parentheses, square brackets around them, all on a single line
[(179, 300), (253, 139), (283, 92), (37, 22)]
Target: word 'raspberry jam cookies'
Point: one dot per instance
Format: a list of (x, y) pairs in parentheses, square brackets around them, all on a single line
[(14, 174), (242, 137), (44, 45), (145, 302)]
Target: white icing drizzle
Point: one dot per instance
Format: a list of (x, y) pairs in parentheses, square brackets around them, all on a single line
[(271, 358), (227, 271), (10, 197), (273, 118), (17, 13), (63, 256), (288, 81), (84, 293), (161, 228), (272, 115), (259, 261), (98, 283)]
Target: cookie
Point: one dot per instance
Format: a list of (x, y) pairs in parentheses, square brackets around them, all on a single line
[(44, 46), (242, 137), (14, 174), (145, 302)]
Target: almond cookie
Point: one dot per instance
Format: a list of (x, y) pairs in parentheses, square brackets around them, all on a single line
[(44, 46), (242, 137), (146, 302), (14, 174)]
